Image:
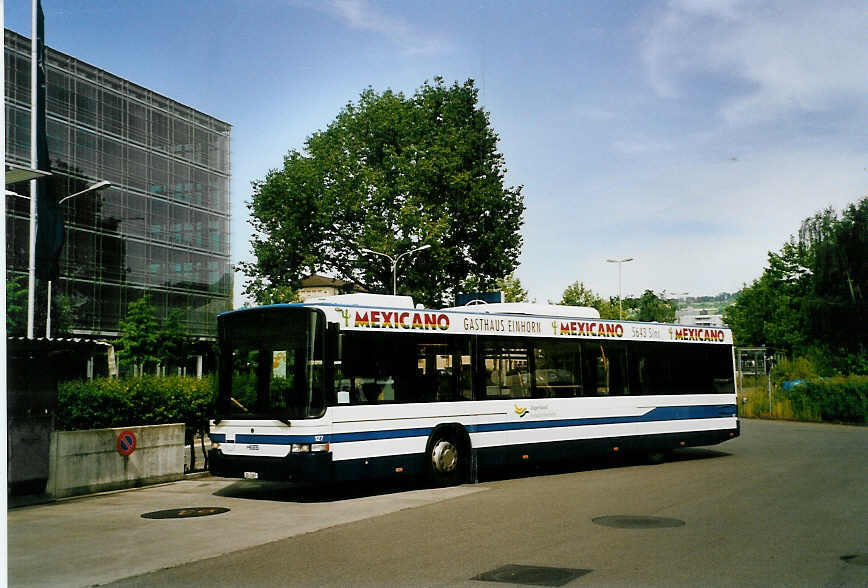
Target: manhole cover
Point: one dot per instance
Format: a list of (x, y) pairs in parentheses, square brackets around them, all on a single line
[(637, 522), (532, 575), (858, 560), (185, 513)]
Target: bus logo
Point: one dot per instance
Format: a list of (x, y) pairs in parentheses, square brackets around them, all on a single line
[(384, 319), (520, 411)]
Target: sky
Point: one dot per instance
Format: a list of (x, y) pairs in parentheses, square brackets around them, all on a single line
[(691, 135)]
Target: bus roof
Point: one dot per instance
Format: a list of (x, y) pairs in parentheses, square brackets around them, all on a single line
[(355, 312)]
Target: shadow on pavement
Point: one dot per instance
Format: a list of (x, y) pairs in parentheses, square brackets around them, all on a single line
[(308, 493), (594, 463)]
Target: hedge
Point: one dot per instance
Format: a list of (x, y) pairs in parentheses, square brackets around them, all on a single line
[(147, 400), (842, 398)]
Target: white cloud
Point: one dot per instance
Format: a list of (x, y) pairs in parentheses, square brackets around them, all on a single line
[(359, 14), (775, 58)]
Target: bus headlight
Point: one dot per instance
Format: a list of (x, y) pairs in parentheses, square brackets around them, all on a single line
[(309, 447)]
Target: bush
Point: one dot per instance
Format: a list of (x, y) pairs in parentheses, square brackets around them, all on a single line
[(148, 400), (799, 368), (831, 361), (842, 398)]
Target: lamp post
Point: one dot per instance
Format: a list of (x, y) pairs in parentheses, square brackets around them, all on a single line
[(395, 261), (620, 303)]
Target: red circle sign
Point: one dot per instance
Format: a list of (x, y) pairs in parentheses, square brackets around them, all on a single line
[(126, 443)]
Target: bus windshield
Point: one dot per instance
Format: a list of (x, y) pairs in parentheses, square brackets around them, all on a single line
[(271, 364)]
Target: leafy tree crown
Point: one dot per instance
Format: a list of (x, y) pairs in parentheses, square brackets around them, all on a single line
[(391, 172)]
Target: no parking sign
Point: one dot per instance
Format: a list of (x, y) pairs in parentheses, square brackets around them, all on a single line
[(126, 443)]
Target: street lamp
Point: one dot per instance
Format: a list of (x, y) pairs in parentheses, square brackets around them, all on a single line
[(395, 261), (101, 185), (19, 173), (620, 304)]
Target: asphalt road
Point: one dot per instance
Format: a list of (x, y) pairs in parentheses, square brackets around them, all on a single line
[(786, 504)]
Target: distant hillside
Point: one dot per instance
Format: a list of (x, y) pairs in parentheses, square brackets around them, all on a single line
[(709, 304)]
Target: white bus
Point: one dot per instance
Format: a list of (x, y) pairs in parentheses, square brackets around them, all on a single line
[(358, 386)]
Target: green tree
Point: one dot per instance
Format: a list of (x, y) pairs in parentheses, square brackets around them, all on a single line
[(577, 294), (512, 290), (389, 173), (653, 308), (609, 309), (139, 342), (16, 306), (769, 311), (16, 309), (750, 312), (173, 344), (61, 315), (266, 293), (810, 297), (834, 252)]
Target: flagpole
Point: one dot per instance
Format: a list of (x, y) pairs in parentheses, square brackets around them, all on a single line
[(31, 270), (4, 439)]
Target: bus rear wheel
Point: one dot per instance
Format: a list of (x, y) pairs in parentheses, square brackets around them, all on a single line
[(446, 462)]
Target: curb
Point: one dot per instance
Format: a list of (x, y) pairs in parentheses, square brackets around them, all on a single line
[(14, 502)]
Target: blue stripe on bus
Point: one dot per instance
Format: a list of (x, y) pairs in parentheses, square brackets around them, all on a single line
[(663, 413), (392, 434)]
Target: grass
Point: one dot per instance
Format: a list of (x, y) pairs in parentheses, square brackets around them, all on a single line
[(753, 401)]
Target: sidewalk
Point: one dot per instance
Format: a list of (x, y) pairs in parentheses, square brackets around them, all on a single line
[(101, 538)]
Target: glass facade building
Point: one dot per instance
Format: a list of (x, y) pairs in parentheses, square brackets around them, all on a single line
[(162, 229)]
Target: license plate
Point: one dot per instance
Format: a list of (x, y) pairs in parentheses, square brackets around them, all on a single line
[(251, 475)]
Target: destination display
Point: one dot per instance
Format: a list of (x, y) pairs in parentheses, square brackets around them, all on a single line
[(451, 322)]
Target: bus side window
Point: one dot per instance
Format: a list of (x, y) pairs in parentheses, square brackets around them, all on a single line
[(507, 370), (605, 369), (639, 364), (464, 372), (595, 374), (617, 354), (556, 373), (367, 373), (425, 383), (442, 373)]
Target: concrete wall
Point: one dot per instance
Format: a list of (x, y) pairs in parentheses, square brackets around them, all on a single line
[(81, 462)]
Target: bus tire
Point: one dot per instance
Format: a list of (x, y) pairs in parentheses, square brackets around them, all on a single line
[(447, 458)]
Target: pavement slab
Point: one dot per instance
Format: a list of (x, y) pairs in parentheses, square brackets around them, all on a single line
[(102, 538)]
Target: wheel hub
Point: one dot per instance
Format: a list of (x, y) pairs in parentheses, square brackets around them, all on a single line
[(444, 456)]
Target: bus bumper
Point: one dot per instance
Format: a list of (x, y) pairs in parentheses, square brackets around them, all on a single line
[(296, 467)]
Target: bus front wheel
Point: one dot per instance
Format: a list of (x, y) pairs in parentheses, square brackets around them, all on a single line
[(446, 461)]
